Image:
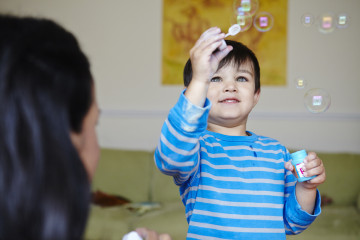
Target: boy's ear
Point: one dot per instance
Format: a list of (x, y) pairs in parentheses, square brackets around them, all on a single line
[(256, 97)]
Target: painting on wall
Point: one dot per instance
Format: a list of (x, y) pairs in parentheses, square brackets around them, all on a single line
[(264, 30)]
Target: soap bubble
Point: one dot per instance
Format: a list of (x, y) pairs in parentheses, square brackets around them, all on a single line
[(244, 20), (317, 100), (342, 21), (327, 23), (300, 83), (246, 6), (263, 21), (307, 19)]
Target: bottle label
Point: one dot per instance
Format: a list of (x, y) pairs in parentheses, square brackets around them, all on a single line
[(299, 170)]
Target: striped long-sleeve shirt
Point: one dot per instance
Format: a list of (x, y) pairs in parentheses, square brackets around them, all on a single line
[(233, 187)]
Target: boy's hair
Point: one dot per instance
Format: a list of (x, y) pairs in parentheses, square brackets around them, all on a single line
[(45, 93), (239, 55)]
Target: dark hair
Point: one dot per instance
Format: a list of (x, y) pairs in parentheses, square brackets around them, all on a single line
[(45, 93), (239, 55)]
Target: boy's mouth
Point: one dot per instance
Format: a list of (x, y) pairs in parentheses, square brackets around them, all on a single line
[(229, 100)]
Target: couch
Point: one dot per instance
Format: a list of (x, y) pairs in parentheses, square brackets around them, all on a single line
[(155, 202), (153, 195)]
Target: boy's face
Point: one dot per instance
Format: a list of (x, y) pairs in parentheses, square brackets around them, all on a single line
[(232, 94)]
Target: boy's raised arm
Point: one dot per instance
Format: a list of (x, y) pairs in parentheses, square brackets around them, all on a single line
[(177, 153), (205, 61)]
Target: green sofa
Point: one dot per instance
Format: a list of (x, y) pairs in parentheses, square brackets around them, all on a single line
[(133, 175), (155, 201)]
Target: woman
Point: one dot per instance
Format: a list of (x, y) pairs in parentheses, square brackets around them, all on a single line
[(48, 143)]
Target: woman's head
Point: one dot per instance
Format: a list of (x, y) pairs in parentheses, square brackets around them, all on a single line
[(46, 97)]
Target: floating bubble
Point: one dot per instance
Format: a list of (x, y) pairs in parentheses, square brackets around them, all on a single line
[(317, 100), (300, 83), (249, 7), (307, 19), (244, 20), (263, 21), (342, 21), (327, 23)]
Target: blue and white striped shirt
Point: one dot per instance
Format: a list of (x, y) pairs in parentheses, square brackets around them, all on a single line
[(233, 187)]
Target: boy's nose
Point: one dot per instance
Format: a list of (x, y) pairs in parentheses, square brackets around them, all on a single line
[(230, 87)]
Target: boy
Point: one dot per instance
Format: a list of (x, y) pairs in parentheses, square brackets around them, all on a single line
[(234, 184)]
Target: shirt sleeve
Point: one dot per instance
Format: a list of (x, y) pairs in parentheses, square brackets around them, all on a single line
[(295, 218), (177, 153)]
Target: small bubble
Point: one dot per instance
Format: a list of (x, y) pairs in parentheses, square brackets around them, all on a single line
[(300, 83), (307, 19), (244, 20), (342, 21), (246, 6), (317, 100), (263, 21), (327, 23)]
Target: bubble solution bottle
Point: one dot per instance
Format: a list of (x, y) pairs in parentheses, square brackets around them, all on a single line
[(298, 163)]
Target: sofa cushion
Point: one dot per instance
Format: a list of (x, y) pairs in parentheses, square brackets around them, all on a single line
[(334, 223), (170, 218), (124, 172), (163, 187), (108, 223), (342, 177)]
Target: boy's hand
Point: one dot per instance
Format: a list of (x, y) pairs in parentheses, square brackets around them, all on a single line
[(204, 62), (313, 166), (306, 191), (204, 59)]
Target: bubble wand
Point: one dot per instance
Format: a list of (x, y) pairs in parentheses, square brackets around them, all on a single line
[(233, 30)]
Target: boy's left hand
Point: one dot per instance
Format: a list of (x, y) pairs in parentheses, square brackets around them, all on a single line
[(313, 166)]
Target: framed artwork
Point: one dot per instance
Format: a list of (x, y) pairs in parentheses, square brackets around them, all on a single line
[(264, 31)]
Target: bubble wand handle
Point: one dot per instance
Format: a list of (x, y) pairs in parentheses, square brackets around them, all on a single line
[(233, 30)]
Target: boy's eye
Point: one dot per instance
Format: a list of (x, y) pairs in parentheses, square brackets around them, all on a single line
[(215, 79), (241, 79)]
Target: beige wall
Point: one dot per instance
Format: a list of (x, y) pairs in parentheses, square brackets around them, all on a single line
[(123, 42)]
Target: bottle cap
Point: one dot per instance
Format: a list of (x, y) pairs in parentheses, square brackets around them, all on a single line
[(299, 155)]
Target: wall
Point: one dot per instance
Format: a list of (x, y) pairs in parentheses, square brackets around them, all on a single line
[(123, 42)]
